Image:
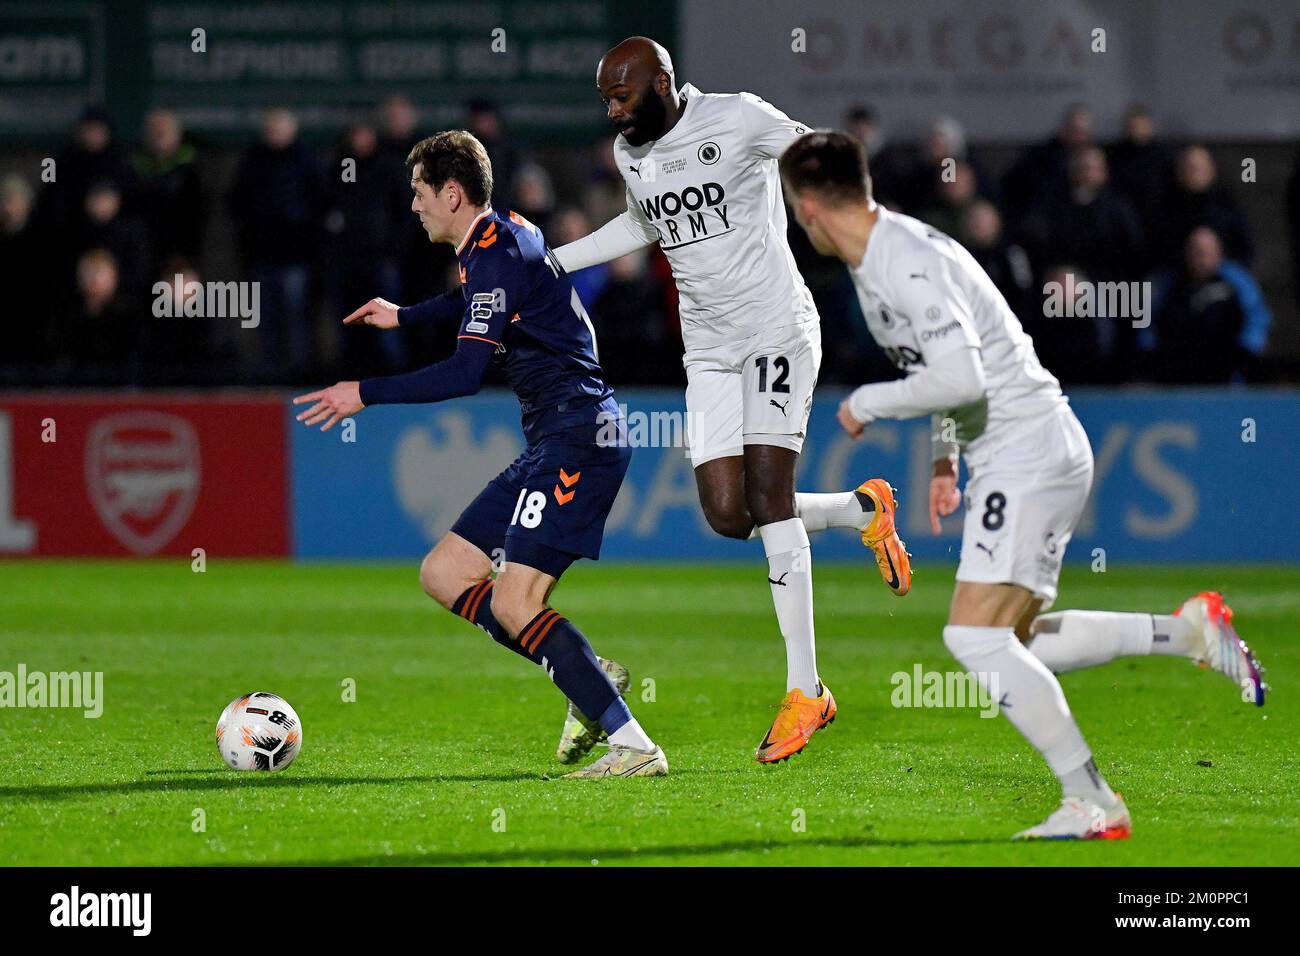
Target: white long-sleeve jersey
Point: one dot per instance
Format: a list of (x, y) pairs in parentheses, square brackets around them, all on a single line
[(930, 306), (709, 192)]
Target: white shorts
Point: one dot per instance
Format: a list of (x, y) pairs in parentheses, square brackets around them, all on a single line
[(1022, 505), (756, 392)]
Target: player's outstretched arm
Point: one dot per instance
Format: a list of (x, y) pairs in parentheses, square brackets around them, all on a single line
[(380, 313), (954, 379), (330, 405), (492, 287), (949, 374), (445, 309), (623, 235), (460, 375)]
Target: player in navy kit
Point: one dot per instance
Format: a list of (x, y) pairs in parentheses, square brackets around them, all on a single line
[(516, 307)]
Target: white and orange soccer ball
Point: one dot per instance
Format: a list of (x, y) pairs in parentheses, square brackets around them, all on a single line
[(259, 731)]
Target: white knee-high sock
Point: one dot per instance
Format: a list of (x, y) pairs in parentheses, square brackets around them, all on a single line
[(1068, 640), (1029, 696), (789, 572), (841, 509)]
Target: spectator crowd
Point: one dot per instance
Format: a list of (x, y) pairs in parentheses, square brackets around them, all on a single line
[(321, 231)]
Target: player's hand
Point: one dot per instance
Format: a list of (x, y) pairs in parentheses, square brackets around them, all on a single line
[(850, 424), (380, 313), (944, 498), (332, 404)]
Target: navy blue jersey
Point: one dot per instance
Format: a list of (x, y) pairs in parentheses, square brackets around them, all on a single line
[(516, 306)]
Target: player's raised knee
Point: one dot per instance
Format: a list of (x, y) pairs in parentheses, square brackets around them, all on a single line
[(769, 484), (436, 581), (769, 506), (730, 521), (724, 508)]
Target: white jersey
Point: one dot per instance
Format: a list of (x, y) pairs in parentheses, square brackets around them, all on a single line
[(924, 296), (709, 192)]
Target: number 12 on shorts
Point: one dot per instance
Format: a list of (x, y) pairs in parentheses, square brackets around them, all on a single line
[(528, 509), (782, 366)]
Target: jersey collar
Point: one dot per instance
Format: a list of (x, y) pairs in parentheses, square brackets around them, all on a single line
[(882, 214), (472, 226)]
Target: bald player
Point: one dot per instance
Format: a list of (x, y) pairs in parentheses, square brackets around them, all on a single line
[(702, 182)]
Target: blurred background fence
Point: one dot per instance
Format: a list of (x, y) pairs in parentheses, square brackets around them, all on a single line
[(147, 143)]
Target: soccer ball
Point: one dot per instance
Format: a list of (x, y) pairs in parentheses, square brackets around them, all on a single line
[(259, 732)]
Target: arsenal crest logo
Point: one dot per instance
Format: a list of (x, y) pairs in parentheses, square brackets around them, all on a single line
[(142, 470)]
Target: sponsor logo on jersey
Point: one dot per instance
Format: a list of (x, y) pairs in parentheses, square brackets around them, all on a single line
[(690, 199), (930, 334), (482, 305), (709, 153), (903, 357), (890, 321), (689, 214), (644, 169)]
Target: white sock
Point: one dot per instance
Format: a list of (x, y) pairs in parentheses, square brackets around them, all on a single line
[(1029, 696), (842, 509), (1088, 782), (631, 735), (789, 572), (1068, 640)]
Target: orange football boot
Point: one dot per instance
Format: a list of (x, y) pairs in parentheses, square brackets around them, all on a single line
[(881, 536), (800, 717)]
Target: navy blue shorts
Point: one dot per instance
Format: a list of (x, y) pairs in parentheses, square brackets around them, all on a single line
[(549, 507)]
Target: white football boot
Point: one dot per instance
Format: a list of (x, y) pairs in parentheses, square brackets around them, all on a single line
[(581, 733), (1215, 644), (1080, 819), (624, 762)]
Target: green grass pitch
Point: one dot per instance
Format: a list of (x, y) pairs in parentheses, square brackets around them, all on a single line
[(446, 755)]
